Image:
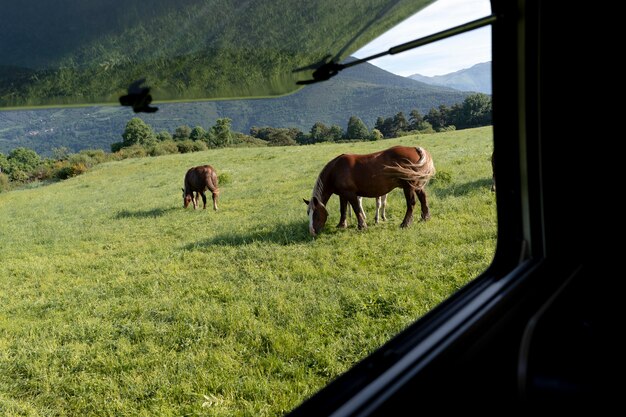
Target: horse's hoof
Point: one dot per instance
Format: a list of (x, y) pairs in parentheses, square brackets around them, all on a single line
[(342, 225), (425, 217), (362, 226)]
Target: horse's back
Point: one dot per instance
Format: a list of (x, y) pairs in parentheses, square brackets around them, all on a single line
[(200, 178)]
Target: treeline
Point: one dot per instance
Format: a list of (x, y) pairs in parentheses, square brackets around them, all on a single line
[(23, 165)]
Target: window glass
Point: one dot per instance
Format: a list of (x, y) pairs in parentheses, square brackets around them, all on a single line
[(116, 300)]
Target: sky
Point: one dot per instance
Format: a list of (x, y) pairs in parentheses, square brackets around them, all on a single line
[(450, 55)]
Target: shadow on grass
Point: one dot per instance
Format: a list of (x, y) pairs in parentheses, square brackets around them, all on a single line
[(143, 214), (457, 190), (282, 234)]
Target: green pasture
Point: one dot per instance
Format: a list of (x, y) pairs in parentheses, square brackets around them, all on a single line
[(116, 301)]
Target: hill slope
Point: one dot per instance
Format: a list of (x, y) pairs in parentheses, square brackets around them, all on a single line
[(365, 91), (121, 302), (476, 78)]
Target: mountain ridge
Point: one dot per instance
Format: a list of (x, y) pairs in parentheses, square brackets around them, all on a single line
[(475, 78), (365, 91)]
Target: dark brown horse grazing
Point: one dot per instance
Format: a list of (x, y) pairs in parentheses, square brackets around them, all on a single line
[(199, 179), (372, 175)]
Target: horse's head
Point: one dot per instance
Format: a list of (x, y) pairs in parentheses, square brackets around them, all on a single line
[(317, 215), (187, 197)]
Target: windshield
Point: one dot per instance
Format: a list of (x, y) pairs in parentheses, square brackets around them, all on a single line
[(76, 52)]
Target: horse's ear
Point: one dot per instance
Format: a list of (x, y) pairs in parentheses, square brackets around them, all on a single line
[(183, 189), (307, 202), (317, 202)]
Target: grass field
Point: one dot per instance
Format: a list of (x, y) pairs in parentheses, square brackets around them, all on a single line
[(115, 301)]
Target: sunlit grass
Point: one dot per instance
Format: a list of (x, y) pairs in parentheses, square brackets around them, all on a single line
[(114, 300)]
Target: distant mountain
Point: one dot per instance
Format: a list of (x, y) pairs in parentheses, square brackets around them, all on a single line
[(364, 90), (476, 78)]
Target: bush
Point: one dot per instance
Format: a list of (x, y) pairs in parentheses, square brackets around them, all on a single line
[(81, 158), (67, 170), (241, 141), (166, 147), (97, 156), (116, 147), (376, 134), (17, 175), (188, 145), (5, 184), (135, 151), (224, 178), (441, 178), (43, 172), (449, 128)]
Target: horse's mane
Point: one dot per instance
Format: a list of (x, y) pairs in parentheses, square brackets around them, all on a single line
[(318, 188), (417, 173)]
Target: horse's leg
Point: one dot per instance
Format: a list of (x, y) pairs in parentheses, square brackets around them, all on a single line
[(215, 196), (203, 199), (358, 211), (383, 200), (421, 194), (409, 194), (343, 205), (194, 199), (361, 207), (381, 204), (377, 210)]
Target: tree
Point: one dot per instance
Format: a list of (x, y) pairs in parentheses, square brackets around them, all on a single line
[(319, 133), (182, 133), (335, 133), (380, 123), (281, 137), (385, 126), (376, 135), (435, 119), (21, 163), (400, 124), (163, 136), (415, 119), (220, 134), (4, 163), (357, 129), (137, 132), (198, 133), (476, 110), (23, 159), (61, 153)]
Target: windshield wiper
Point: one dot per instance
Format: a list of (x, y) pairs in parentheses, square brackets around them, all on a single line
[(326, 69)]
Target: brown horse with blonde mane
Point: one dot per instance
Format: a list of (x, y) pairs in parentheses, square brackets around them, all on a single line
[(198, 180), (373, 175)]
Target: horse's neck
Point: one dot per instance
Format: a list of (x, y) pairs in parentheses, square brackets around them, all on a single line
[(323, 189)]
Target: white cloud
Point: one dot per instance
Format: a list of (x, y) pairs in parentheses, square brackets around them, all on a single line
[(442, 57)]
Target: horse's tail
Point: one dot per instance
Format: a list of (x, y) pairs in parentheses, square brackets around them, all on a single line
[(417, 173)]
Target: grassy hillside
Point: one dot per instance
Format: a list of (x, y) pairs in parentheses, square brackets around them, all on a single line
[(114, 300)]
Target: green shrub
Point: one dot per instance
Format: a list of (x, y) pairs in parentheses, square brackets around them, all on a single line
[(441, 178), (188, 145), (376, 134), (5, 184), (19, 176), (449, 128), (97, 156), (166, 147), (224, 178), (134, 151), (65, 170)]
